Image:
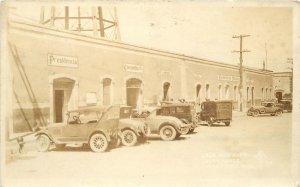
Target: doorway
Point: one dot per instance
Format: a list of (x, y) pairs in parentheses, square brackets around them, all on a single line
[(166, 87), (134, 92), (63, 98)]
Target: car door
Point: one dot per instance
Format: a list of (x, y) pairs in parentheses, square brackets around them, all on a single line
[(269, 108)]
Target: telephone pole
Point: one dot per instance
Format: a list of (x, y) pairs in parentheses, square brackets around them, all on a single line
[(241, 85)]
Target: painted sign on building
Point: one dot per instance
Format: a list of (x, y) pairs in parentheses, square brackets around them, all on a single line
[(64, 61), (133, 68), (228, 78)]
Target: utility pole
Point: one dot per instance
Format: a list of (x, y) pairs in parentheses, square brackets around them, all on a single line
[(241, 85)]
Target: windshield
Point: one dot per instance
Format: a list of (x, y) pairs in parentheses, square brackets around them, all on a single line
[(84, 117)]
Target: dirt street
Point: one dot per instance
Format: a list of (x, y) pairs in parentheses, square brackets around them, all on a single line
[(253, 151)]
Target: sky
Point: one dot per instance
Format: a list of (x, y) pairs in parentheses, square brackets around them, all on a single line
[(205, 31)]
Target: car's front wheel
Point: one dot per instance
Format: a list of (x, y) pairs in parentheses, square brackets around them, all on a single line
[(129, 138), (98, 143), (43, 143), (167, 133), (278, 113)]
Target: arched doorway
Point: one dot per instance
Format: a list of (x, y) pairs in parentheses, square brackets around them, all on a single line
[(198, 92), (134, 92), (252, 96), (227, 93), (220, 92), (107, 91), (207, 92), (63, 98), (166, 90)]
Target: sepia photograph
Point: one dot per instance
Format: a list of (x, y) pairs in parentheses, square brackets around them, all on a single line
[(150, 93)]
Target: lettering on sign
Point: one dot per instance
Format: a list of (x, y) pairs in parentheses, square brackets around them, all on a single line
[(133, 68), (228, 78), (65, 61)]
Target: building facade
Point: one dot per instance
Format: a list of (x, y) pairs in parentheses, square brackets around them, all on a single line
[(53, 71)]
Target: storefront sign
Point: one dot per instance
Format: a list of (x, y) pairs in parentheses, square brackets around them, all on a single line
[(133, 68), (228, 78), (65, 61)]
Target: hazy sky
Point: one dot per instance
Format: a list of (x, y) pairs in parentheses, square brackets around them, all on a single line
[(206, 31)]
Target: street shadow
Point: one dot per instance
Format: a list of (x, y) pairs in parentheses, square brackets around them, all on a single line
[(157, 138), (214, 125)]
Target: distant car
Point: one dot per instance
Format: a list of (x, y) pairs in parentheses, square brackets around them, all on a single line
[(183, 111), (285, 105), (216, 112), (168, 127), (99, 127), (265, 108)]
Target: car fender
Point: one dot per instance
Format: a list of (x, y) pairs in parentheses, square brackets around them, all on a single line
[(43, 132), (184, 121)]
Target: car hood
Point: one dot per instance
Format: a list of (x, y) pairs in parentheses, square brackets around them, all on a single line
[(257, 107)]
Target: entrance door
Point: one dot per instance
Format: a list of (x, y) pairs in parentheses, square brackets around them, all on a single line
[(279, 96), (58, 105), (134, 92)]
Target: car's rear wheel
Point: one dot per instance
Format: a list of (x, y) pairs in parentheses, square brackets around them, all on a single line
[(167, 133), (227, 123), (191, 131), (43, 143), (278, 113), (98, 143), (129, 138), (255, 113)]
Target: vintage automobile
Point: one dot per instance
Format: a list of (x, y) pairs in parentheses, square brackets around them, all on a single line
[(285, 105), (265, 108), (99, 127), (183, 111), (216, 112), (132, 131), (168, 127)]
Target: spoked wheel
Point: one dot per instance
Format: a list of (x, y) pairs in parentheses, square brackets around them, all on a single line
[(98, 143), (129, 138), (167, 133), (43, 143), (278, 113)]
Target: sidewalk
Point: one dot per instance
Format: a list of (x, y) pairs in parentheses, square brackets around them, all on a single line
[(238, 114)]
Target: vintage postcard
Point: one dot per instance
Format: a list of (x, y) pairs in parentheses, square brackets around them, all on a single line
[(150, 93)]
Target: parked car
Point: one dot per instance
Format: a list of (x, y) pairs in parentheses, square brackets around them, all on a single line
[(132, 131), (99, 127), (168, 127), (285, 105), (183, 111), (216, 112), (265, 108)]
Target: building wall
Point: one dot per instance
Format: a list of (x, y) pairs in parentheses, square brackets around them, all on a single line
[(34, 80)]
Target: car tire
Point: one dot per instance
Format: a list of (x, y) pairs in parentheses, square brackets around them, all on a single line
[(43, 143), (129, 138), (278, 113), (255, 113), (167, 133), (98, 143), (227, 123)]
